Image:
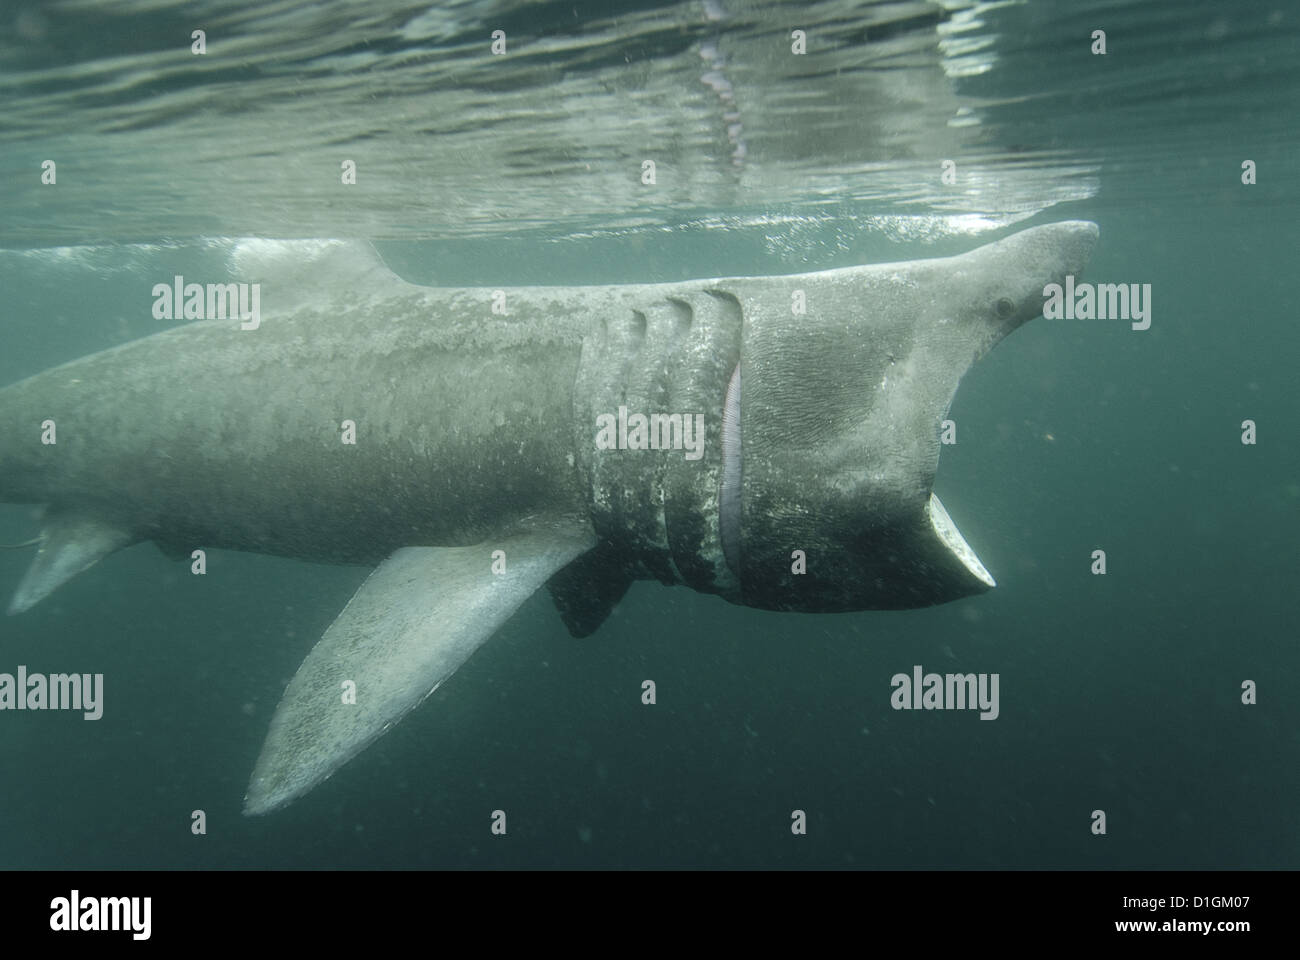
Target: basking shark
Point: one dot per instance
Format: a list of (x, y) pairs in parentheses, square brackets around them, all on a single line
[(771, 440)]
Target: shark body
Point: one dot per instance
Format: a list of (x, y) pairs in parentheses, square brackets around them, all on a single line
[(477, 474)]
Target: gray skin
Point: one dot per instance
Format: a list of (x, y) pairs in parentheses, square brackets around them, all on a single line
[(475, 429)]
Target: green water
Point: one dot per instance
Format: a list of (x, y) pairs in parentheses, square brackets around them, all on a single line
[(1120, 692)]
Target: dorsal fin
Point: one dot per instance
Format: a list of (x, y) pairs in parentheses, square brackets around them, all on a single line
[(295, 271)]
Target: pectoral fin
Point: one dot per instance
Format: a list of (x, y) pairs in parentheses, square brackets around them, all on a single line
[(69, 544), (414, 621)]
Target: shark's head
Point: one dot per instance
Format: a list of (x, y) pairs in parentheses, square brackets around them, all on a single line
[(825, 395), (840, 417)]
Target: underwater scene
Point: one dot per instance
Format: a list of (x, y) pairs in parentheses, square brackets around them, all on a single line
[(716, 434)]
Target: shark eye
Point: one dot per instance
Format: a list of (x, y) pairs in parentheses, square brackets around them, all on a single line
[(1005, 308)]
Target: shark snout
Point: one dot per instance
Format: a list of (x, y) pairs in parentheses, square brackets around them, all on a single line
[(1028, 263), (1077, 240), (1046, 253)]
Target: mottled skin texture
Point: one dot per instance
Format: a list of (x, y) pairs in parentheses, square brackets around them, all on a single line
[(209, 435)]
